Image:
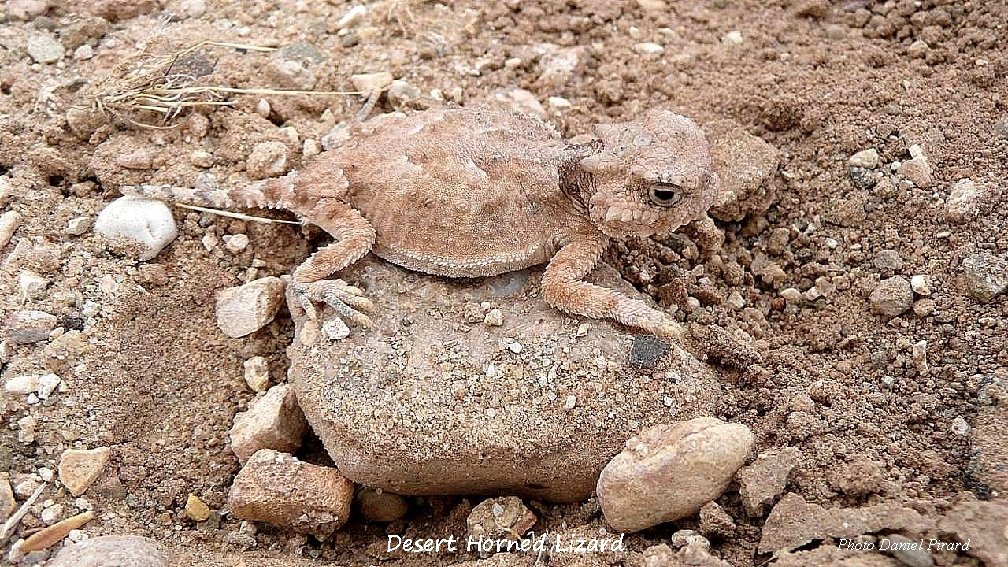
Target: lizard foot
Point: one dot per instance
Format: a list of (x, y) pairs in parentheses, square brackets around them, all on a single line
[(346, 300)]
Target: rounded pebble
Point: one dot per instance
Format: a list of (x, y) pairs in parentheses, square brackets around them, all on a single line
[(649, 48), (256, 373), (891, 297), (868, 159), (268, 159), (144, 224), (670, 471), (112, 551), (379, 506)]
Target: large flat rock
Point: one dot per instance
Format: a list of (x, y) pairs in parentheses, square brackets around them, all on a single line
[(433, 400)]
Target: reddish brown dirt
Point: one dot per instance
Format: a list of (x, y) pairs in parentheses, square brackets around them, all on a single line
[(151, 376)]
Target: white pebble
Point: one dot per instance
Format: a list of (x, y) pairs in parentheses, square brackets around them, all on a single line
[(311, 148), (209, 241), (22, 385), (649, 48), (236, 243), (52, 514), (335, 329), (558, 102), (83, 53), (515, 347), (960, 427), (352, 17), (47, 384), (570, 402), (9, 222), (44, 49), (920, 284), (144, 223), (256, 373), (28, 485), (735, 300), (78, 226), (494, 318), (292, 134), (791, 295), (733, 38), (963, 202), (31, 285), (867, 159), (247, 308), (263, 108)]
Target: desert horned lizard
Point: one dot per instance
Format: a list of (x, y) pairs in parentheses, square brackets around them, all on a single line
[(478, 191)]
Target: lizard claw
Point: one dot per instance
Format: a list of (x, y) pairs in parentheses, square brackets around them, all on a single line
[(346, 300)]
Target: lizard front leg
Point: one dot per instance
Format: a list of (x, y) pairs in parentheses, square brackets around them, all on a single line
[(564, 288), (354, 236)]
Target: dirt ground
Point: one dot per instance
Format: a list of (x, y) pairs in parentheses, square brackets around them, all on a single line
[(882, 409)]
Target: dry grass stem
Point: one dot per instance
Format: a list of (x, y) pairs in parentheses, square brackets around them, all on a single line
[(234, 215), (152, 84)]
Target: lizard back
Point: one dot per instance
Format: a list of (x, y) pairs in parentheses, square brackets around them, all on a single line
[(459, 192)]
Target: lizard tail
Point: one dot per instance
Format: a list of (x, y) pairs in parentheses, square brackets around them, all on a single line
[(276, 193)]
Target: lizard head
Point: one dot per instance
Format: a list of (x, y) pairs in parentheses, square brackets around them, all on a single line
[(650, 177)]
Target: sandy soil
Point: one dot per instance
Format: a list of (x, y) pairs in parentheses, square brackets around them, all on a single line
[(146, 372)]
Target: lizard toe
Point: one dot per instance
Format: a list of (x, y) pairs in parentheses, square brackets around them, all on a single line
[(347, 301)]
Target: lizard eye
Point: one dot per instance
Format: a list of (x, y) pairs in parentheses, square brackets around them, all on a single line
[(665, 195)]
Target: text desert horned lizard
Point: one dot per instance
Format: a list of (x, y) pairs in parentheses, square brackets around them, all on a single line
[(471, 192)]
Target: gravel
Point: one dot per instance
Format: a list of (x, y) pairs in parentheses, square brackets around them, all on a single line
[(867, 159), (245, 309), (45, 49), (268, 159), (985, 275), (27, 326), (892, 297)]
